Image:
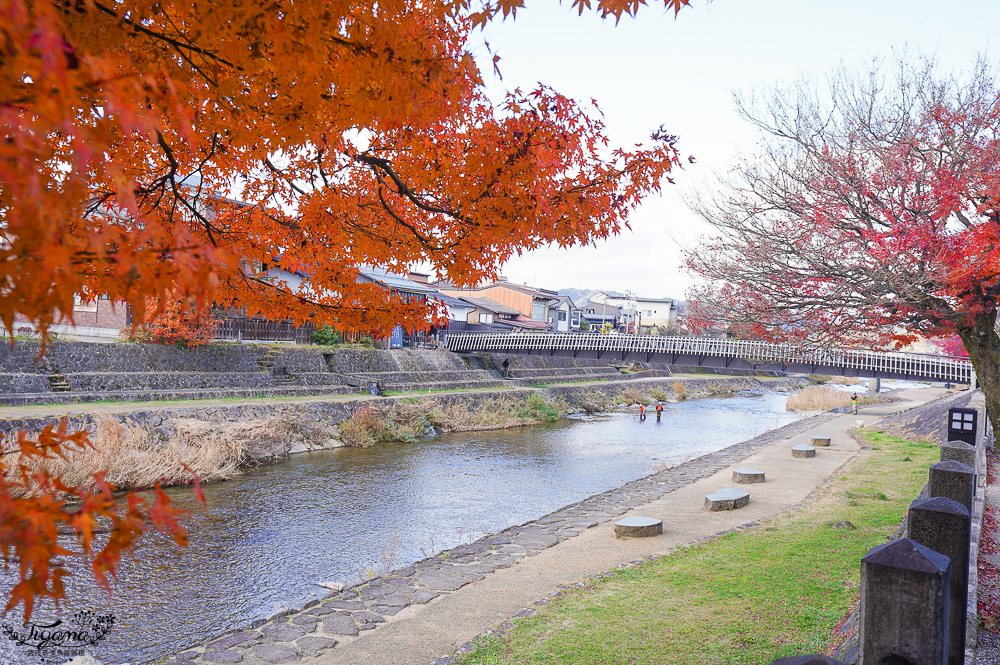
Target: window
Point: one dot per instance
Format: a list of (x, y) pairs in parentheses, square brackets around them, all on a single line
[(562, 315)]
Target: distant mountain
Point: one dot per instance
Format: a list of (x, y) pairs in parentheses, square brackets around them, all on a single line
[(583, 295)]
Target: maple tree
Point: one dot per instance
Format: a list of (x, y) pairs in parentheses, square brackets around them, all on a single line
[(870, 217), (180, 323), (952, 346), (218, 151)]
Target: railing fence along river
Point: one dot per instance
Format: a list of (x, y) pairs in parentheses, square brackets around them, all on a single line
[(269, 536)]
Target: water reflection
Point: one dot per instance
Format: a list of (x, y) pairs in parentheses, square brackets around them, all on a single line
[(269, 535)]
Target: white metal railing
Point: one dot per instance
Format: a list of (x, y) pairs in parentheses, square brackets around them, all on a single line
[(938, 368)]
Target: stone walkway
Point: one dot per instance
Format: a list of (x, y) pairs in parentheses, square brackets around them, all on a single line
[(426, 611)]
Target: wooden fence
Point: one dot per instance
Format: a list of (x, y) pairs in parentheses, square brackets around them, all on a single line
[(245, 329)]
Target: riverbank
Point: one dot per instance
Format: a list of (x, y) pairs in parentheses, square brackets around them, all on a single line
[(417, 613), (221, 439)]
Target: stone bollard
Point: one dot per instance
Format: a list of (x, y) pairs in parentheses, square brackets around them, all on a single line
[(944, 525), (959, 451), (821, 441), (638, 527), (815, 659), (803, 450), (953, 480), (905, 591), (728, 498), (747, 476)]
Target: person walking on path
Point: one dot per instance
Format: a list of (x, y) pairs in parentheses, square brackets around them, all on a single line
[(854, 402), (659, 411)]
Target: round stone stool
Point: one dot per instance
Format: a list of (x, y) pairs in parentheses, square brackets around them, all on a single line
[(728, 498), (746, 476), (638, 527), (803, 450), (821, 441)]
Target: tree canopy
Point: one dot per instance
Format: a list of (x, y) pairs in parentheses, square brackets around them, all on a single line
[(165, 151), (870, 216), (350, 134)]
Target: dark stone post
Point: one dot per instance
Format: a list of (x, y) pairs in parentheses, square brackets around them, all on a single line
[(944, 526), (953, 480), (959, 451), (905, 590)]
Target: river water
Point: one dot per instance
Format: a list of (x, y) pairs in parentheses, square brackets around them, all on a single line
[(268, 536)]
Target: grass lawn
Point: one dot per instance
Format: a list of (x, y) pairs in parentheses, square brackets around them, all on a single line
[(768, 591)]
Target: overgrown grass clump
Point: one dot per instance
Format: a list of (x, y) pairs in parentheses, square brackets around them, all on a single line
[(822, 398), (404, 421), (774, 590), (132, 456)]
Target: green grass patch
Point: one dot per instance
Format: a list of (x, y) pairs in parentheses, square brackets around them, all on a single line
[(745, 598)]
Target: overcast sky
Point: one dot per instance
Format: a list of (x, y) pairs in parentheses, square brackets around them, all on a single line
[(655, 70)]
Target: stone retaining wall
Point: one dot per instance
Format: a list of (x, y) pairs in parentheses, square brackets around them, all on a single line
[(117, 381), (295, 360), (22, 358), (369, 361), (524, 361), (24, 383), (75, 357)]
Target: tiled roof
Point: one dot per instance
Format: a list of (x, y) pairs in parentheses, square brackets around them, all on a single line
[(490, 305), (395, 281), (450, 301)]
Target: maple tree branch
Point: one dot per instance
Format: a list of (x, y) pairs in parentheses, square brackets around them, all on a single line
[(179, 46)]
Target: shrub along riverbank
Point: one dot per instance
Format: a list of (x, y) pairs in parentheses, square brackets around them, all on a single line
[(777, 589)]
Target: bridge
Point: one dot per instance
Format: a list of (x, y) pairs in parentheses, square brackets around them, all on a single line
[(721, 354)]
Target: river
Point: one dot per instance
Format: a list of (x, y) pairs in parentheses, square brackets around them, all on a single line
[(268, 536)]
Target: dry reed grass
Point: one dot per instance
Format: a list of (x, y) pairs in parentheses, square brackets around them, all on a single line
[(847, 380), (680, 389), (633, 395), (134, 457), (817, 398), (821, 398)]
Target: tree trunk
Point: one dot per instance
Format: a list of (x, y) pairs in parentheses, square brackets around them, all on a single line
[(983, 345)]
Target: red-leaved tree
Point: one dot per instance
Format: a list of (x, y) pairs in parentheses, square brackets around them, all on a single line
[(871, 216), (184, 323), (352, 133)]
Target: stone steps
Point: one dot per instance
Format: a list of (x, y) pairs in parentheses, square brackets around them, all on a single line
[(20, 399), (58, 384)]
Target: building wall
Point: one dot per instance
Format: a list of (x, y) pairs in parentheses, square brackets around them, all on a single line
[(501, 294), (103, 314)]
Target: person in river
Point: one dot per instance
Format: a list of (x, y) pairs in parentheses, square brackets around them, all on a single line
[(642, 412), (659, 411), (854, 402)]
